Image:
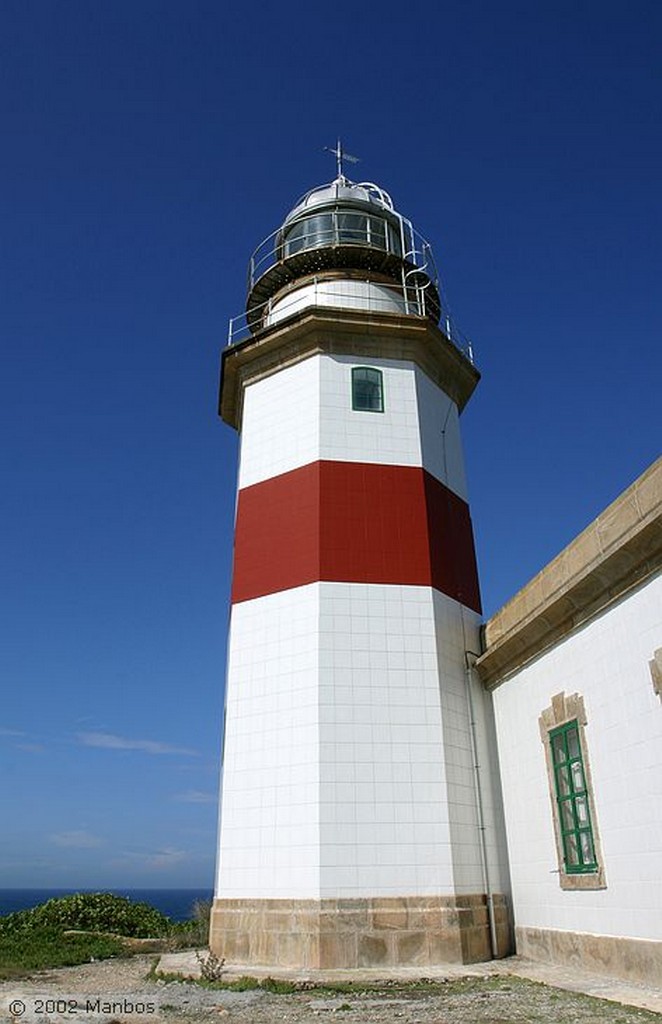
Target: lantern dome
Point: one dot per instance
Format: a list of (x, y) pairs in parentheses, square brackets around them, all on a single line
[(344, 243)]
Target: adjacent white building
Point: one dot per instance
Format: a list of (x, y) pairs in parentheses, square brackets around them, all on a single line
[(574, 662)]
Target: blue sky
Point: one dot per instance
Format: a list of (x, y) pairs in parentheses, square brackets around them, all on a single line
[(148, 147)]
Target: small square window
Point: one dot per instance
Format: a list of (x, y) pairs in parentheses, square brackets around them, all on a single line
[(367, 389)]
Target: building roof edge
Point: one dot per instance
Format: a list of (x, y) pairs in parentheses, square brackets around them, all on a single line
[(619, 550)]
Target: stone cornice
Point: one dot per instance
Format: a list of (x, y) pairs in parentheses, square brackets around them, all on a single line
[(362, 334), (619, 550)]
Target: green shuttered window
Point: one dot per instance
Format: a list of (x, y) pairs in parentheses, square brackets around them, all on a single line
[(572, 800)]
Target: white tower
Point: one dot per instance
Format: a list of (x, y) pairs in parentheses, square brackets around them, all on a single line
[(355, 827)]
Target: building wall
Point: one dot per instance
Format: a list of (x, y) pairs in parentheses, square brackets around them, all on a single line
[(348, 765), (469, 741), (303, 413), (269, 836), (606, 662), (396, 775), (350, 831)]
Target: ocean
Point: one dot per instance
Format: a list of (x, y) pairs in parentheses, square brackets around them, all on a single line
[(174, 903)]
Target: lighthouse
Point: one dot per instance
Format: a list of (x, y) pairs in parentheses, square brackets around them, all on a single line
[(360, 817)]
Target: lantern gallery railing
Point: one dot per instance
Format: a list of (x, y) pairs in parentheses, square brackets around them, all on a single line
[(365, 294), (339, 228)]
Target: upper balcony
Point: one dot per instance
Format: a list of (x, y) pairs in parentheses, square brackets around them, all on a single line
[(343, 245), (369, 293)]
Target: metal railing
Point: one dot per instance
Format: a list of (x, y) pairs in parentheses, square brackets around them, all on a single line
[(367, 295), (380, 234)]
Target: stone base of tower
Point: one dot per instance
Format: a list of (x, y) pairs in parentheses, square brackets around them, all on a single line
[(370, 932)]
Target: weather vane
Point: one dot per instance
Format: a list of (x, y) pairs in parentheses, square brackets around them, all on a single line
[(341, 155)]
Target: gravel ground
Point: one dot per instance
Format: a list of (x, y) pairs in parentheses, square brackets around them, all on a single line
[(119, 991)]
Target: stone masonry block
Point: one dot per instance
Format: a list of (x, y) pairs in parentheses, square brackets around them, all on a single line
[(372, 951)]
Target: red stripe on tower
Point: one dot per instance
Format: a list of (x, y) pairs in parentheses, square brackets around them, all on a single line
[(354, 523)]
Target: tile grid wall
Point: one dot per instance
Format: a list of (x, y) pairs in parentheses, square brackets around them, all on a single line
[(606, 661), (304, 413), (347, 767), (335, 778)]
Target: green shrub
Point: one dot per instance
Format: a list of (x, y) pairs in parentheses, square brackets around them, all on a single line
[(37, 949), (202, 914), (96, 912)]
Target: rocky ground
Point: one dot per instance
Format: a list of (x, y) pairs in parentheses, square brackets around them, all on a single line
[(124, 992)]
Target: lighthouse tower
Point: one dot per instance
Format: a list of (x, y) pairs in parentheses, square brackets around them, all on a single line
[(359, 821)]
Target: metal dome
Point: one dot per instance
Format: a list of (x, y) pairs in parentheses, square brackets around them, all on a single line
[(341, 190)]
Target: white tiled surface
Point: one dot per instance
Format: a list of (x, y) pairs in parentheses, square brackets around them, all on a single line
[(304, 413), (441, 443), (458, 630), (270, 808), (348, 435), (383, 816), (397, 771), (280, 424), (607, 663), (348, 768)]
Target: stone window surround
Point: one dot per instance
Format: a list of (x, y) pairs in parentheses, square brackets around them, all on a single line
[(565, 709), (656, 671)]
